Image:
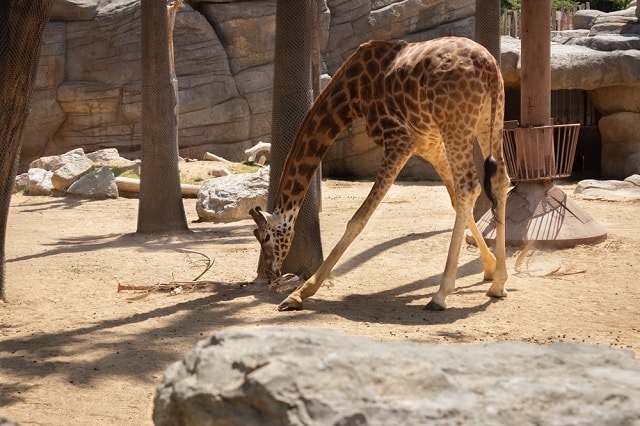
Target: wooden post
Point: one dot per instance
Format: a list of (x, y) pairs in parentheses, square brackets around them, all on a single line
[(535, 88)]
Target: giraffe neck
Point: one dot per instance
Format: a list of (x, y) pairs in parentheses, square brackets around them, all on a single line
[(328, 117)]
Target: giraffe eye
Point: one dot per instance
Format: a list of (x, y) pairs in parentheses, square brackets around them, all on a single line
[(267, 238)]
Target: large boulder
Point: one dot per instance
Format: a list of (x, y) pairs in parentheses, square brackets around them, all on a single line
[(620, 133), (70, 172), (229, 198), (584, 19), (293, 376), (74, 172), (39, 182), (97, 184), (610, 190)]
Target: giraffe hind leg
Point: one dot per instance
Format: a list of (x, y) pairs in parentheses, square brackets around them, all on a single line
[(440, 163), (464, 203), (500, 184)]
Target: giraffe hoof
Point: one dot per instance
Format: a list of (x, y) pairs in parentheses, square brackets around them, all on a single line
[(290, 304), (434, 306), (497, 293)]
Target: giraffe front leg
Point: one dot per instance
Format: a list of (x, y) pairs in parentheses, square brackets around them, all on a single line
[(293, 302), (357, 223), (393, 161)]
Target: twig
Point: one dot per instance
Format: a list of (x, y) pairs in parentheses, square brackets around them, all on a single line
[(174, 287), (208, 259), (522, 256)]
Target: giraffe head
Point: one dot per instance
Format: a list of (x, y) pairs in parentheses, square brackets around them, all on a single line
[(275, 236)]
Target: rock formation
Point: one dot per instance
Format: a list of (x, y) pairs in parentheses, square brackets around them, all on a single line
[(88, 86), (229, 198), (291, 376), (75, 173)]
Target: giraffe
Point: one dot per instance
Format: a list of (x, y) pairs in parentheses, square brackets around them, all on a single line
[(427, 99)]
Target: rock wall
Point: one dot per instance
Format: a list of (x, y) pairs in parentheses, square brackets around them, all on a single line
[(88, 87)]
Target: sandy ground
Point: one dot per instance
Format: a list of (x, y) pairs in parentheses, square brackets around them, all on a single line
[(74, 351)]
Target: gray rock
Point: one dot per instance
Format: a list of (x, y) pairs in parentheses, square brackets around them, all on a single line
[(620, 127), (40, 182), (634, 180), (229, 198), (291, 376), (584, 19), (620, 135), (246, 28), (577, 67), (54, 162), (70, 172), (97, 184), (21, 183), (607, 43), (610, 190), (613, 99), (621, 25), (74, 10), (111, 157)]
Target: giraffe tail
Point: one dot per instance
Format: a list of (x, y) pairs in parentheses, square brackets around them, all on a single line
[(490, 163), (490, 169)]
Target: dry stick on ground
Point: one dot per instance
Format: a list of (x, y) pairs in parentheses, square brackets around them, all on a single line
[(176, 287), (523, 255)]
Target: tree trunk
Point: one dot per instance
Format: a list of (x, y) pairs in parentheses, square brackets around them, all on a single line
[(160, 204), (22, 23), (487, 33), (292, 98)]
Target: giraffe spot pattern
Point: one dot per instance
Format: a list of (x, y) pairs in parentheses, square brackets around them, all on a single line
[(424, 98)]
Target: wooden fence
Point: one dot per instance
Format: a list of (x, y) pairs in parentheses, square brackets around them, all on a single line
[(560, 20)]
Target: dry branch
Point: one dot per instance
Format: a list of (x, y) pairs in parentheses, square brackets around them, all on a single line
[(177, 287)]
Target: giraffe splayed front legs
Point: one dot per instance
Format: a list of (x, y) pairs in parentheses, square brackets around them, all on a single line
[(428, 99)]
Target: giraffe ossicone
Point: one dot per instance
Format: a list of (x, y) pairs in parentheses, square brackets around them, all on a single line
[(429, 99)]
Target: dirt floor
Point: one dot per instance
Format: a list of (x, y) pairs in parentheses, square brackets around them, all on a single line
[(75, 351)]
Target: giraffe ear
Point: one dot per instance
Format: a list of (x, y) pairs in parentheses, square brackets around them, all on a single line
[(258, 217)]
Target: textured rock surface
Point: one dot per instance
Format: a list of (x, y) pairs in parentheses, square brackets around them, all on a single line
[(612, 190), (39, 182), (73, 172), (70, 172), (88, 88), (229, 198), (98, 184), (317, 377)]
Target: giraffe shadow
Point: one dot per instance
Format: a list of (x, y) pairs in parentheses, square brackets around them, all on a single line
[(397, 305), (378, 249)]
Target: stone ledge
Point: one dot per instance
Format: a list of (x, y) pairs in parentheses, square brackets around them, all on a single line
[(276, 376)]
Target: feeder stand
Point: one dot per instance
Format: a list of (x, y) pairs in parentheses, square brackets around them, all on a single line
[(537, 151)]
